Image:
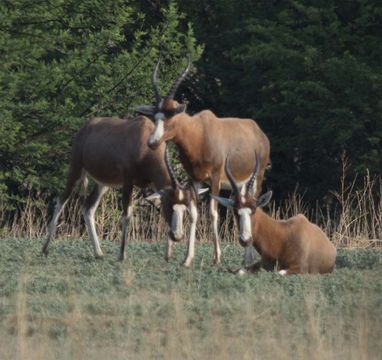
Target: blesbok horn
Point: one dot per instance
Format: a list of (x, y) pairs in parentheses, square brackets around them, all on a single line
[(179, 80), (232, 181), (158, 97), (174, 181), (252, 181)]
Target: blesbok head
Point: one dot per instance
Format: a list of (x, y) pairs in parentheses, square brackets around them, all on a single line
[(176, 201), (244, 202), (164, 109)]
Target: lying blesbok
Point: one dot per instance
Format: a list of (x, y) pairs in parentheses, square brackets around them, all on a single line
[(203, 142), (114, 153), (294, 246)]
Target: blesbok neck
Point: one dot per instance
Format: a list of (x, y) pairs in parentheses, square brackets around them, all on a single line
[(268, 233), (188, 138)]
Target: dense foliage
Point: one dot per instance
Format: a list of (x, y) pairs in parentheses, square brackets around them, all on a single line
[(64, 61), (308, 71)]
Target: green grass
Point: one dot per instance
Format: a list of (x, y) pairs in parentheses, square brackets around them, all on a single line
[(71, 306)]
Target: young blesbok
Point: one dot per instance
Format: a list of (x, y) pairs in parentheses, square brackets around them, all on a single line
[(203, 142), (114, 153), (293, 246)]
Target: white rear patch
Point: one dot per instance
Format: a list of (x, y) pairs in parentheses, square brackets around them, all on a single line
[(245, 224), (283, 272)]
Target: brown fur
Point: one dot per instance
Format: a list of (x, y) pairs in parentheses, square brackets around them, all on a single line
[(114, 153), (295, 245)]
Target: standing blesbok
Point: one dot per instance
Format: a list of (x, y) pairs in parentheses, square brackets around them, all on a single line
[(203, 142), (175, 200), (114, 153), (294, 246)]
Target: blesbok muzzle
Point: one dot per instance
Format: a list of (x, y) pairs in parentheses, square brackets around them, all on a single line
[(177, 231), (245, 228), (156, 137)]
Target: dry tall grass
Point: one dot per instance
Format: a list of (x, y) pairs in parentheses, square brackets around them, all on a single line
[(351, 218)]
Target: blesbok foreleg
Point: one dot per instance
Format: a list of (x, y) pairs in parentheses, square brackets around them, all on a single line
[(169, 248), (73, 176), (89, 210), (127, 211), (191, 242), (215, 217)]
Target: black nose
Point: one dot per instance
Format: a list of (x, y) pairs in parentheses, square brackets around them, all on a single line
[(173, 238)]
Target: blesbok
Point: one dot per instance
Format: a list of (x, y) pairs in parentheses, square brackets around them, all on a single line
[(294, 246), (114, 153), (204, 140)]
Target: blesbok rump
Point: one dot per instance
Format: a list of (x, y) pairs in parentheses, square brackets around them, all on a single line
[(204, 140), (114, 153), (294, 246)]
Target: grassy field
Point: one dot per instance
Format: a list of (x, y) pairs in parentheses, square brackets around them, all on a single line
[(70, 306)]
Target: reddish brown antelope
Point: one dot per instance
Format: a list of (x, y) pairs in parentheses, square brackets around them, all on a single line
[(295, 245), (114, 153), (204, 140)]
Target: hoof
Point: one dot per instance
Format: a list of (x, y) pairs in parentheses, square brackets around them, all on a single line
[(44, 252), (99, 256), (187, 265)]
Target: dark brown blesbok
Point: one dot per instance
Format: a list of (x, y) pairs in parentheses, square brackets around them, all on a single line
[(114, 153)]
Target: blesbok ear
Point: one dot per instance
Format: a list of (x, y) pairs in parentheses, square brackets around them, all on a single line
[(223, 201), (181, 108), (148, 110), (264, 199), (202, 191), (155, 198)]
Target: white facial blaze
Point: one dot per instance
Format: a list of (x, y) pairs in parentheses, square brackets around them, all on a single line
[(245, 224), (177, 220), (159, 129)]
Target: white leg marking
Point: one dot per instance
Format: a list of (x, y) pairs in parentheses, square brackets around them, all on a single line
[(283, 272), (57, 212), (241, 272), (215, 216), (191, 242), (168, 251), (125, 221), (90, 223)]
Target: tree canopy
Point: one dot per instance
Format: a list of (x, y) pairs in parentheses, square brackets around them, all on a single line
[(309, 72)]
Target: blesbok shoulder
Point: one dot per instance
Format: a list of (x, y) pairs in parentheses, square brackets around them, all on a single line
[(114, 153), (294, 245), (204, 140)]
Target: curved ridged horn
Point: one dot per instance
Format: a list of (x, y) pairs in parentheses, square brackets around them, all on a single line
[(174, 181), (179, 80), (251, 181), (232, 181), (158, 97)]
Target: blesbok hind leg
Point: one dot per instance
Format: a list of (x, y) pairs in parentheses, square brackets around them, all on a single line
[(191, 242), (215, 217), (127, 211), (74, 175), (89, 210)]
